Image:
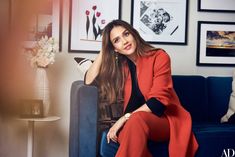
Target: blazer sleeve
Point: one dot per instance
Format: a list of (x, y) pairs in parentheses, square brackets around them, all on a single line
[(160, 93)]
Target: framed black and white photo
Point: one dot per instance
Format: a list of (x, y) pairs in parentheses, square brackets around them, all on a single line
[(216, 44), (47, 22), (87, 20), (216, 5), (160, 21)]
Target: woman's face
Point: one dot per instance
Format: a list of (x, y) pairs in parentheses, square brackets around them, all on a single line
[(123, 41)]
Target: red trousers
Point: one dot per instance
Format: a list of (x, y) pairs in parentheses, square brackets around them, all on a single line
[(141, 126)]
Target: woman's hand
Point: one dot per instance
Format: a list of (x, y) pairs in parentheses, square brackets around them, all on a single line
[(112, 134)]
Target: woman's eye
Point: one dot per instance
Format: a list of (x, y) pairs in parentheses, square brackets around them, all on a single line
[(127, 34), (116, 40)]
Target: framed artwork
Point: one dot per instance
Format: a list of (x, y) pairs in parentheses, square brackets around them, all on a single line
[(216, 5), (87, 20), (216, 44), (47, 22), (160, 21)]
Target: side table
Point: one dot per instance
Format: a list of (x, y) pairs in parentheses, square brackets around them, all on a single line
[(31, 130)]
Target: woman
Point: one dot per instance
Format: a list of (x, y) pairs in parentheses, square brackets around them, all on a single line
[(129, 68)]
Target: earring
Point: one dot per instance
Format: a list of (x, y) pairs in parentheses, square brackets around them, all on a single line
[(116, 58)]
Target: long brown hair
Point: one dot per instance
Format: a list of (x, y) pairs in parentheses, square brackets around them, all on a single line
[(111, 75)]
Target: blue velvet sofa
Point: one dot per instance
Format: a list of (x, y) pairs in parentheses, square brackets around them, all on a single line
[(206, 98)]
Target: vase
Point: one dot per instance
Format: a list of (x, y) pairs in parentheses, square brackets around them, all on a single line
[(42, 91)]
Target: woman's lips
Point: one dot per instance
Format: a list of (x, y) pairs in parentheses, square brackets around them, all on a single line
[(128, 47)]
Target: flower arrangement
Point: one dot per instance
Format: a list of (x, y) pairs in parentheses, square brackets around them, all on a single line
[(43, 53)]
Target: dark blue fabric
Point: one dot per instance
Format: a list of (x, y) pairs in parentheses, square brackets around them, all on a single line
[(158, 149), (107, 150), (219, 90), (205, 98), (83, 120), (213, 138), (192, 92), (231, 119)]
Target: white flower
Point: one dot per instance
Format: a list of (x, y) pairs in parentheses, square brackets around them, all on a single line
[(43, 53)]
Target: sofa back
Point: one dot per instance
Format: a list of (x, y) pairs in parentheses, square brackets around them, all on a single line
[(219, 91), (192, 93), (205, 98)]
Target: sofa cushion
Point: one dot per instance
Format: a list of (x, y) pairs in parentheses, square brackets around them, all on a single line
[(219, 90), (214, 138), (192, 93), (231, 119)]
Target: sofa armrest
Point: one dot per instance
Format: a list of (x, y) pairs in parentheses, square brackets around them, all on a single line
[(83, 120)]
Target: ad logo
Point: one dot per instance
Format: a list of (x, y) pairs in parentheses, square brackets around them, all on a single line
[(228, 153)]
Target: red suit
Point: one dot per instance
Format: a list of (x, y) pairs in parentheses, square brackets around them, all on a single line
[(154, 80)]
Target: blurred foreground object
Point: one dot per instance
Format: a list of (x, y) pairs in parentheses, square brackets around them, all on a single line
[(16, 79), (43, 53)]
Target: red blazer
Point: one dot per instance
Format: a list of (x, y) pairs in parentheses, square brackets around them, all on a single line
[(154, 79)]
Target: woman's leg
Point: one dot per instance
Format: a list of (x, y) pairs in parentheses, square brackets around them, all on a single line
[(141, 127)]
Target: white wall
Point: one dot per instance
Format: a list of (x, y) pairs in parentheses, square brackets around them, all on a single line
[(51, 139)]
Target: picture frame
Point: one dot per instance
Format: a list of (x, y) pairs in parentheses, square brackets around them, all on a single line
[(216, 5), (47, 22), (87, 20), (31, 108), (160, 21), (215, 44)]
